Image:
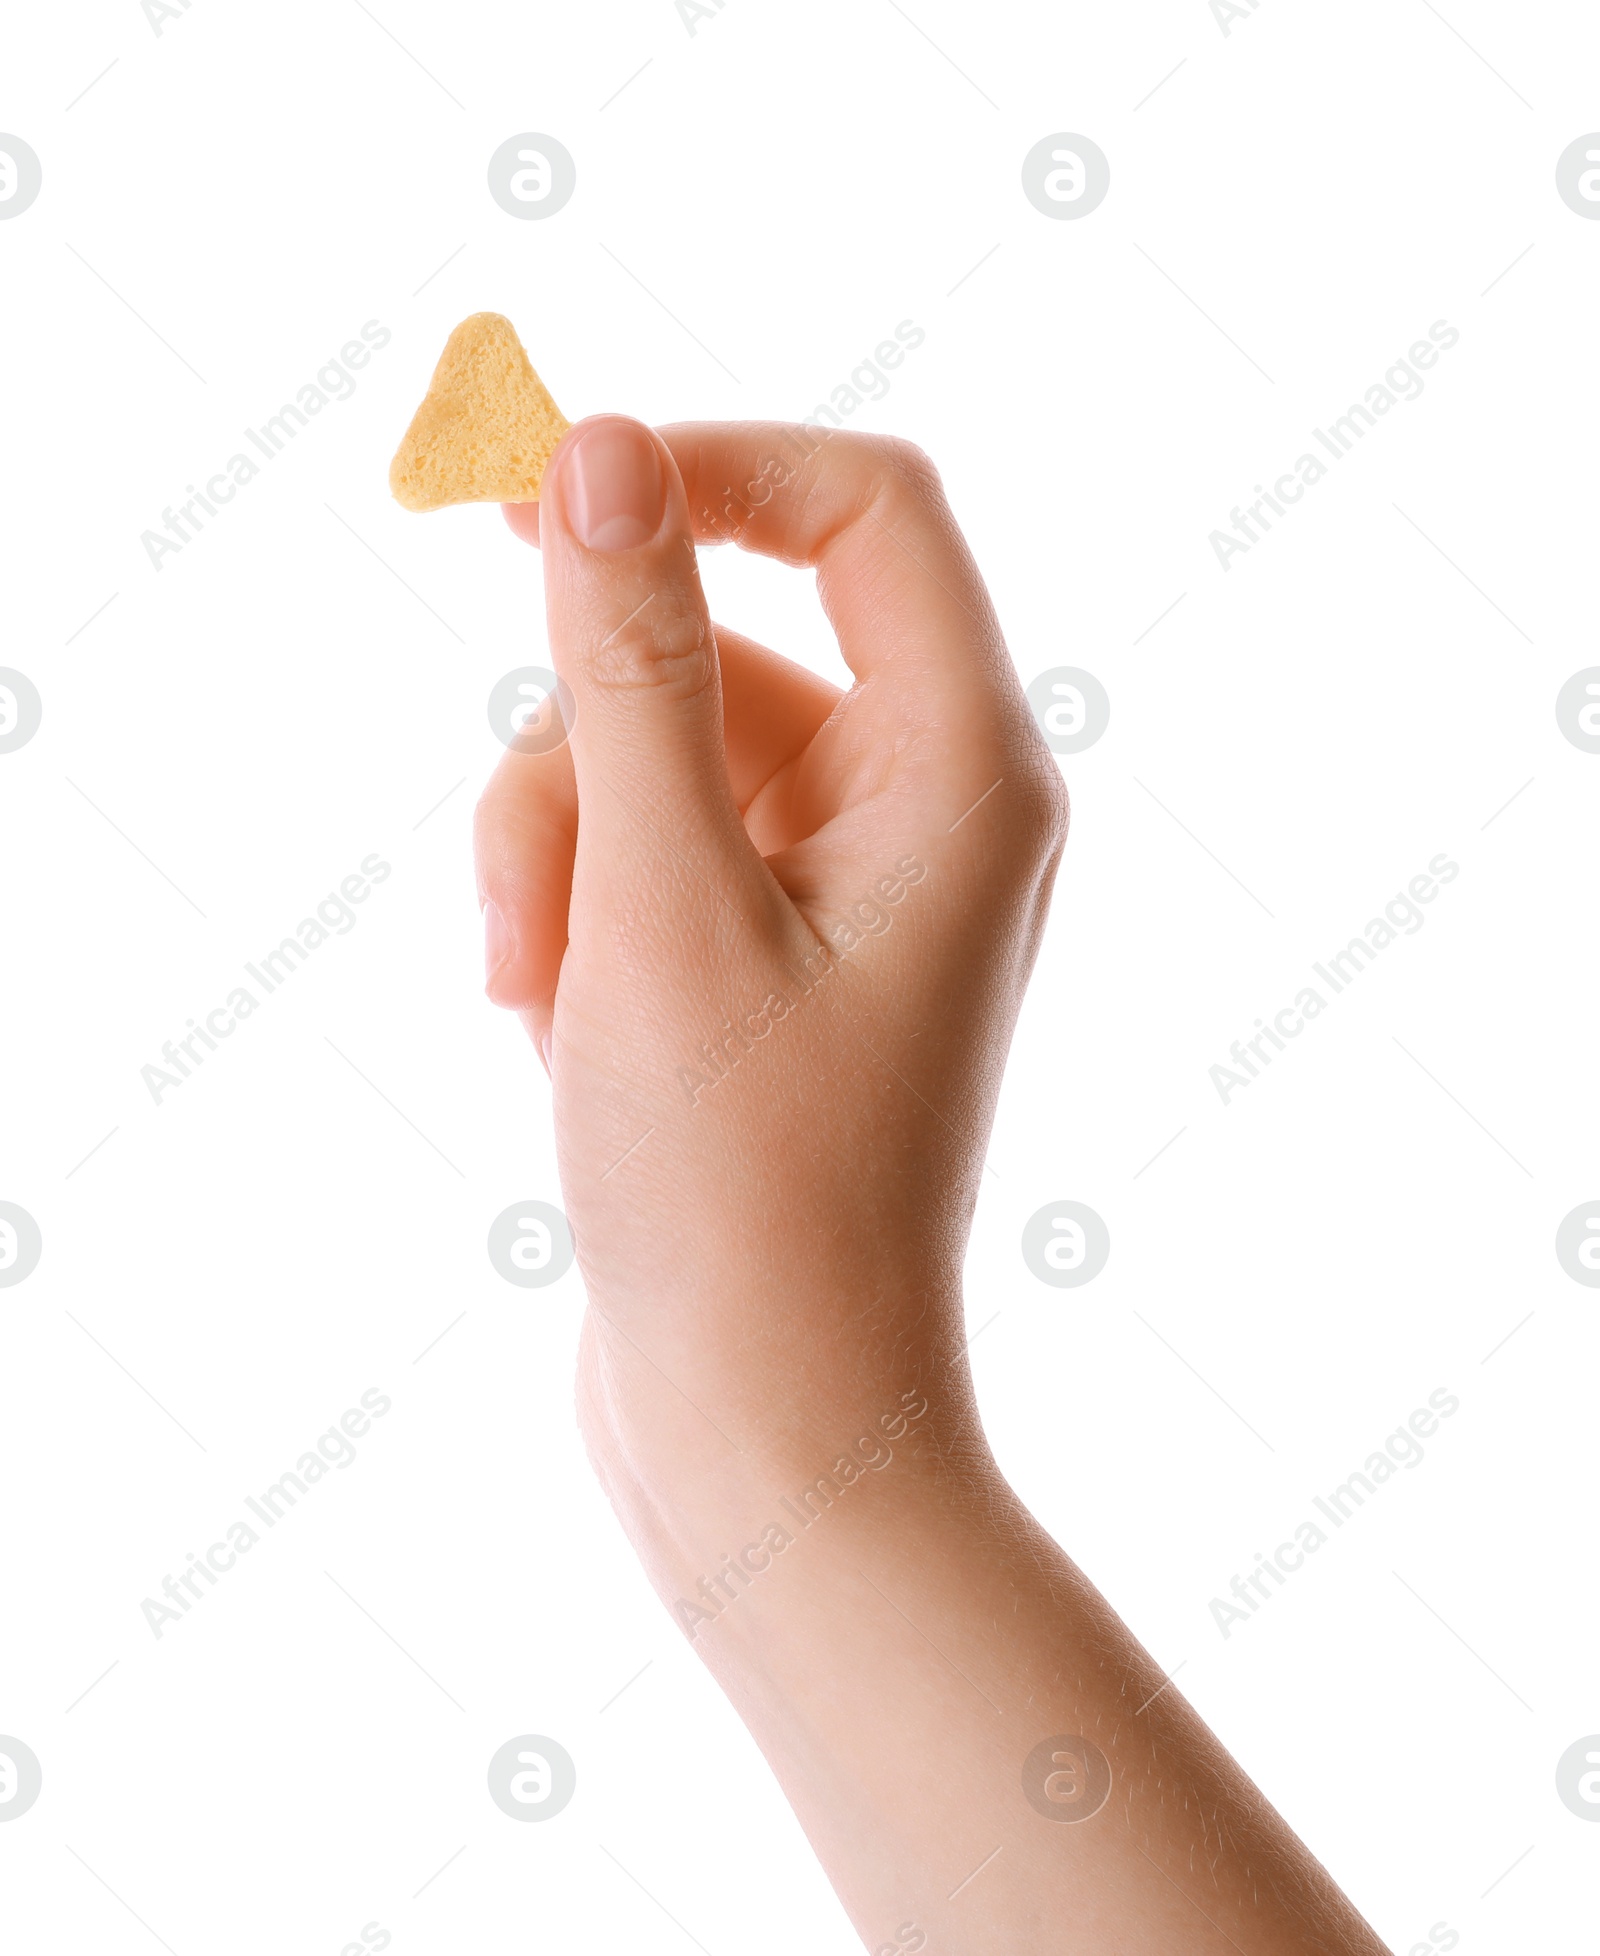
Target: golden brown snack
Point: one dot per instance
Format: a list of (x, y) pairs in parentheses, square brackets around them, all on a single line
[(486, 427)]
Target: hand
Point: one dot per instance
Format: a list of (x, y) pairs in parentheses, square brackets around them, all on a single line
[(775, 961), (772, 942)]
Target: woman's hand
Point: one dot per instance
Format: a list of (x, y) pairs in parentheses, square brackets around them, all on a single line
[(771, 940), (772, 943)]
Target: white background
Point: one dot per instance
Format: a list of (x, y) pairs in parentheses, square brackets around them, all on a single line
[(1372, 1220)]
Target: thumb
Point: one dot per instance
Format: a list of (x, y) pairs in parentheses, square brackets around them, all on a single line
[(631, 636)]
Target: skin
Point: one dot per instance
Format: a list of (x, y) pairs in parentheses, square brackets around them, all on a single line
[(773, 1254)]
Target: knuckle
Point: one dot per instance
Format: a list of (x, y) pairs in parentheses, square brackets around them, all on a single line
[(900, 469), (1043, 807), (665, 645), (849, 472), (881, 464), (905, 458), (1056, 816), (902, 486)]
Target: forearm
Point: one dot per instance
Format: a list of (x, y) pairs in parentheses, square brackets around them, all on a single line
[(904, 1642)]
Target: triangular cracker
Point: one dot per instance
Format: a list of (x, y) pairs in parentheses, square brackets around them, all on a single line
[(486, 427)]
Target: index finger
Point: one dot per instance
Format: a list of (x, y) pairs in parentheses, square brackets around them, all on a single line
[(869, 514)]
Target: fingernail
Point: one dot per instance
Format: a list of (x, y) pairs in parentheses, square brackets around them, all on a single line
[(497, 942), (545, 1042), (615, 492)]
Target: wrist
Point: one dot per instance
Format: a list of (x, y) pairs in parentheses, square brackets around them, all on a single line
[(718, 1471)]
